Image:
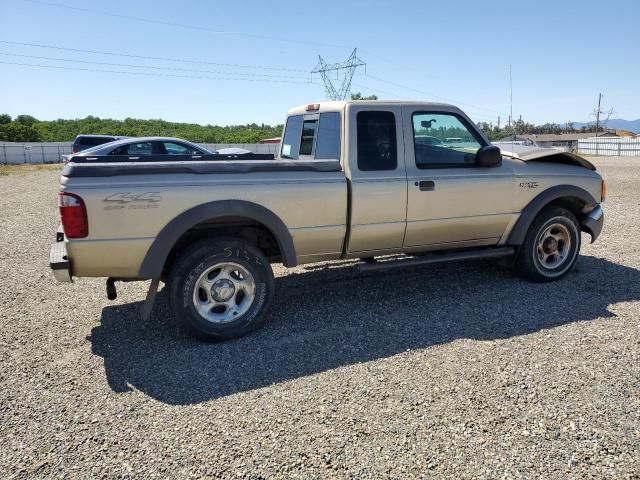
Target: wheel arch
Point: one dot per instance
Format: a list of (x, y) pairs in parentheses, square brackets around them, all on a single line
[(573, 198), (215, 213)]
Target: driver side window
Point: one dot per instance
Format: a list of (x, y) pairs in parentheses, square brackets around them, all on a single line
[(443, 140)]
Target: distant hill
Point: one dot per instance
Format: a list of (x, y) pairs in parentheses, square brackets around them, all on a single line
[(617, 123)]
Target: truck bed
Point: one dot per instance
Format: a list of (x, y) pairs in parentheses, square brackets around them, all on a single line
[(116, 165)]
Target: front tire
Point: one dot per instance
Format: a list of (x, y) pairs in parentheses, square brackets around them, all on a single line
[(220, 289), (551, 246)]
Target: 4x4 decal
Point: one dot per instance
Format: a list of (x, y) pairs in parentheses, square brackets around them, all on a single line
[(132, 201)]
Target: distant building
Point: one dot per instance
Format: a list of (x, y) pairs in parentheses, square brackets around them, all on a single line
[(627, 133), (567, 141)]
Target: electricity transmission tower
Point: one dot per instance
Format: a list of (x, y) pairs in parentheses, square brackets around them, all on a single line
[(344, 75)]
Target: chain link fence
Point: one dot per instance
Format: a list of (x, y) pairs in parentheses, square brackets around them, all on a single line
[(15, 153), (38, 153)]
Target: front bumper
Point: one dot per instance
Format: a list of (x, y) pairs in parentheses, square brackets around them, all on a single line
[(59, 262), (592, 223)]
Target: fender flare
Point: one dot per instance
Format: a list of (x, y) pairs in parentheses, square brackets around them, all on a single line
[(519, 231), (157, 254)]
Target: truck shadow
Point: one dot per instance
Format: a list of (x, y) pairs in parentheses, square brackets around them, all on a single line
[(329, 318)]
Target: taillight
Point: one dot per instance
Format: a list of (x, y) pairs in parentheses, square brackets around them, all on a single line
[(74, 149), (73, 215), (603, 191)]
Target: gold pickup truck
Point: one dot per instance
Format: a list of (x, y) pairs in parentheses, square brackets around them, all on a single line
[(395, 184)]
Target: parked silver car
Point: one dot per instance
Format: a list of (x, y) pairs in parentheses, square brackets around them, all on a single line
[(146, 146)]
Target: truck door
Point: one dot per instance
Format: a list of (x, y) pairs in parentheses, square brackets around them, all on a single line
[(375, 168), (451, 201)]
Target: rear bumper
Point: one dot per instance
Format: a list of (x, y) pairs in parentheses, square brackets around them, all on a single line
[(592, 223), (59, 262)]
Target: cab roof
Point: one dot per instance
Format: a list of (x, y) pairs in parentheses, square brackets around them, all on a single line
[(338, 106)]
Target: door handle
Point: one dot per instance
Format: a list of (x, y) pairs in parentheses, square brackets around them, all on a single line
[(426, 185)]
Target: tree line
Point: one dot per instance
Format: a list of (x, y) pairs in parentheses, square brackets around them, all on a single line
[(25, 128), (521, 127)]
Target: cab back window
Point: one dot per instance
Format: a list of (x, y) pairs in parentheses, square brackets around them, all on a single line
[(328, 142), (308, 137), (291, 139), (314, 138)]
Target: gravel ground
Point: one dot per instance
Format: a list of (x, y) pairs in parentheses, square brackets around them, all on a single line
[(450, 371)]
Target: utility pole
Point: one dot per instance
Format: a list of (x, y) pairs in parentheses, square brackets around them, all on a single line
[(511, 93), (498, 122), (344, 72), (598, 112)]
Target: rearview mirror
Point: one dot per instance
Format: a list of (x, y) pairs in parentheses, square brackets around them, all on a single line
[(489, 156)]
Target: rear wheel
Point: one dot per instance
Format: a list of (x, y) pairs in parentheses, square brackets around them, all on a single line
[(551, 246), (220, 289)]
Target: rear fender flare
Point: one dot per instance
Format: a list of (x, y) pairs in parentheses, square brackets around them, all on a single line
[(157, 254)]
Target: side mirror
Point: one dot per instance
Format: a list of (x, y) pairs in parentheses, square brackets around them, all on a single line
[(489, 156)]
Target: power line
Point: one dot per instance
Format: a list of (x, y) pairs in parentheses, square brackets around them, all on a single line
[(181, 25), (129, 65), (431, 94), (146, 57), (378, 90), (210, 30), (148, 74)]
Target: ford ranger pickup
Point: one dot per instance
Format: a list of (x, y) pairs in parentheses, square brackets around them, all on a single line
[(396, 184)]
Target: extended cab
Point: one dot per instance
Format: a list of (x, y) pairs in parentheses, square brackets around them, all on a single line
[(393, 183)]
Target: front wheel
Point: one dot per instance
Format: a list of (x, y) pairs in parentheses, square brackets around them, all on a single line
[(220, 289), (551, 246)]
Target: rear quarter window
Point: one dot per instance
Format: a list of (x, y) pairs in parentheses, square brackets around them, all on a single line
[(377, 143)]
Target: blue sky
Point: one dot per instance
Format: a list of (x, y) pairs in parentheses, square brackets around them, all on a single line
[(562, 54)]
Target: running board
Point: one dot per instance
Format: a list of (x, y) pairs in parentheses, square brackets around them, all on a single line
[(438, 258)]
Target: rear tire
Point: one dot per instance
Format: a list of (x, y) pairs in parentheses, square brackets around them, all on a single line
[(551, 246), (220, 289)]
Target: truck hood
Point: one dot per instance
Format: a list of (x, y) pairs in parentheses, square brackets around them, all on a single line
[(530, 154)]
